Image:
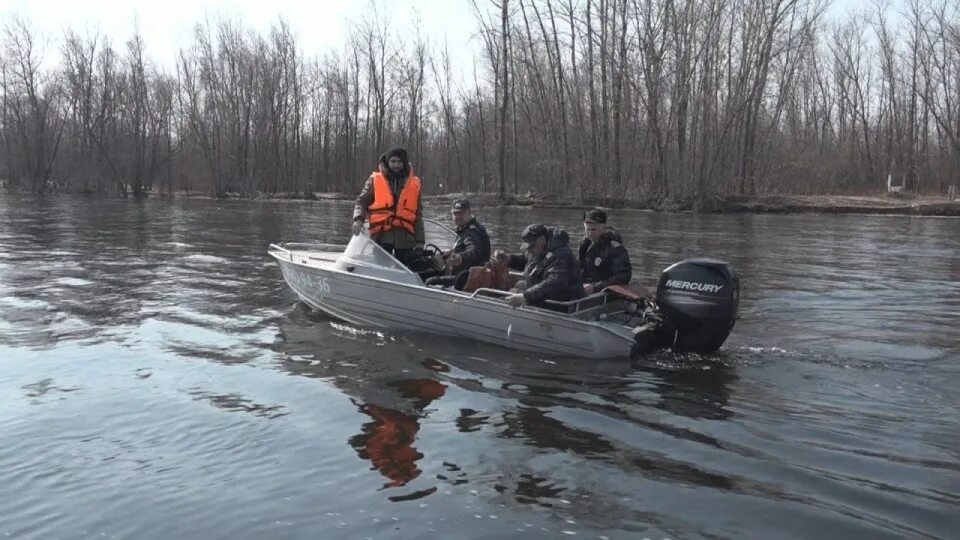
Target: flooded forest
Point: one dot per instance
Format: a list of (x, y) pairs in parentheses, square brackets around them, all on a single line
[(578, 99)]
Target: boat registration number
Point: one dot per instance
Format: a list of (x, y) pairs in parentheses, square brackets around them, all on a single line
[(318, 285)]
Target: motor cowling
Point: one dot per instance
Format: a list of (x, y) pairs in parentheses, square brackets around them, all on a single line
[(698, 300)]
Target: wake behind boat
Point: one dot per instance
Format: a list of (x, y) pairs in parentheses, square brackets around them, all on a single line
[(360, 283)]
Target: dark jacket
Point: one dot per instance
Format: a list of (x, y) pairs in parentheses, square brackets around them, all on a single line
[(398, 238), (473, 246), (553, 276), (605, 262)]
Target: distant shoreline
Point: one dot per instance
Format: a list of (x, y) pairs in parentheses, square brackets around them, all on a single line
[(906, 205), (763, 204)]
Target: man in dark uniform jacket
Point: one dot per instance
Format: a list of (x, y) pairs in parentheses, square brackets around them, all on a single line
[(472, 248), (549, 268), (603, 259)]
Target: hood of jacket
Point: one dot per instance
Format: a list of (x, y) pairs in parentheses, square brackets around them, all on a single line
[(400, 153), (610, 235), (558, 239)]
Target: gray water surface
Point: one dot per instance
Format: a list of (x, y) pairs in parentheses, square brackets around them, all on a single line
[(159, 380)]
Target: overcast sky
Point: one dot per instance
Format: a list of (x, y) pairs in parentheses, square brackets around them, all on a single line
[(321, 25)]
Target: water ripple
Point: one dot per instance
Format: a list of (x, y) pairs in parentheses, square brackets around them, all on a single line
[(162, 381)]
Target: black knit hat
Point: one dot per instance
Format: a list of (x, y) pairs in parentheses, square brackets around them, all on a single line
[(461, 205)]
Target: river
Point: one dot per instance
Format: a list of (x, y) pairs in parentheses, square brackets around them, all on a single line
[(159, 380)]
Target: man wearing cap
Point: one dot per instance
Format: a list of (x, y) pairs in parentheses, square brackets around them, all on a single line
[(549, 268), (390, 200), (472, 247), (603, 259)]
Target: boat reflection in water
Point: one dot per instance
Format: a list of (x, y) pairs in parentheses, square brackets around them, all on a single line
[(563, 406), (396, 394)]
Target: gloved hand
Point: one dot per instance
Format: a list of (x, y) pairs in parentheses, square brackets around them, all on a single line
[(454, 261), (357, 227), (515, 300), (438, 263)]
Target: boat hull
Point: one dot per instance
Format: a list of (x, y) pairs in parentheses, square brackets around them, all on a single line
[(378, 303)]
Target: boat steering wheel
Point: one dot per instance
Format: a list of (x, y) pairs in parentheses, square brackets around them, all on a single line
[(432, 250)]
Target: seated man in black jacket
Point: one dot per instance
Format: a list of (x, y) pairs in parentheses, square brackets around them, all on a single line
[(549, 268), (603, 259), (472, 248)]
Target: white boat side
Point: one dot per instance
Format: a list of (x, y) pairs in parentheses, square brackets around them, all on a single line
[(356, 286)]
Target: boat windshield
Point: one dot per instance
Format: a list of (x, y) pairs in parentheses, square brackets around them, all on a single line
[(364, 251)]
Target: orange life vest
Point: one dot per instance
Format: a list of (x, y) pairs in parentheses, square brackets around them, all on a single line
[(385, 213)]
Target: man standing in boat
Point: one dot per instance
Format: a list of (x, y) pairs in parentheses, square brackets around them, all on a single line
[(604, 260), (390, 201), (549, 268)]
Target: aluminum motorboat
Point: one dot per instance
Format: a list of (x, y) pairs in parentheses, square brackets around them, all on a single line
[(361, 284)]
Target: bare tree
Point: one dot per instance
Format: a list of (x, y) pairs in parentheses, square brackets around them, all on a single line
[(31, 107), (601, 100)]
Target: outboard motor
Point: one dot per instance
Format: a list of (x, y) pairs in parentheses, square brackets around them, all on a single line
[(697, 301)]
